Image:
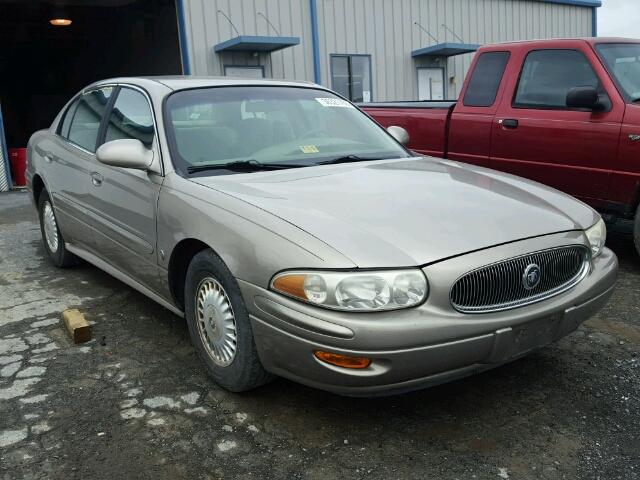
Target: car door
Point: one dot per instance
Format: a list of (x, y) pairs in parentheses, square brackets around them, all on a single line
[(123, 201), (535, 134), (68, 159)]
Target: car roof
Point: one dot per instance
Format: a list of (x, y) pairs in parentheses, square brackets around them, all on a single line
[(181, 82)]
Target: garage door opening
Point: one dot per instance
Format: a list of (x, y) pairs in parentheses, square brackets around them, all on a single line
[(43, 65)]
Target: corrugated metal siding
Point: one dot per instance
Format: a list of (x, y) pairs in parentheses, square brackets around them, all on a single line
[(385, 29), (207, 28), (382, 28)]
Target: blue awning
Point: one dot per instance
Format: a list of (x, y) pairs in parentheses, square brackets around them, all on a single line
[(250, 43), (447, 49)]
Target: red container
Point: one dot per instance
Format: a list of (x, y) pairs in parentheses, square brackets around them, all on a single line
[(18, 157)]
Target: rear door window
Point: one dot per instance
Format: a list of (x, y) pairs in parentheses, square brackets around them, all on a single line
[(63, 130), (85, 124), (548, 75), (130, 117), (485, 79)]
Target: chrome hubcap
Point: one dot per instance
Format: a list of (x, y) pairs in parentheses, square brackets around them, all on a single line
[(216, 322), (50, 227)]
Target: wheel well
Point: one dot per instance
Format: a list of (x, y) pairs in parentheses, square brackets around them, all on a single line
[(636, 201), (37, 186), (179, 262)]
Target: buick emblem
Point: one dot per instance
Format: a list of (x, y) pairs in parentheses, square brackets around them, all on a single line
[(531, 276)]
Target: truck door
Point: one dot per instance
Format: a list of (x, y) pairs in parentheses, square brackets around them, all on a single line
[(537, 136), (469, 137)]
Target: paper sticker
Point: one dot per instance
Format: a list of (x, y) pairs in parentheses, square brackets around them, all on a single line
[(309, 149), (333, 102)]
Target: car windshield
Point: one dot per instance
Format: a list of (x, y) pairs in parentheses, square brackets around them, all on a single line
[(281, 127), (623, 62)]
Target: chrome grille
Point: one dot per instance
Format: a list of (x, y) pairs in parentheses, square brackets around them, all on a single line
[(500, 286)]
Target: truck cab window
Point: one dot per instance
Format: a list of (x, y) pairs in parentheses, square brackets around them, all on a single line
[(548, 75), (485, 79)]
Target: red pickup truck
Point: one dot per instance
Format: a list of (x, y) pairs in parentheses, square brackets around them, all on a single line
[(563, 112)]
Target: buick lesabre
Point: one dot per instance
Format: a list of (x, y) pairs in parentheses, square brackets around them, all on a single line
[(301, 239)]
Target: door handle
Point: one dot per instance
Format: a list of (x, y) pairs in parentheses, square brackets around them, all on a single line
[(48, 158), (508, 123), (96, 179)]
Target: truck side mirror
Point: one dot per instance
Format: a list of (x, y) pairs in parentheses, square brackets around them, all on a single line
[(584, 97), (400, 134)]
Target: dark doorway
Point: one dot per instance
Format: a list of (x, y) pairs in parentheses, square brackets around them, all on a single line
[(42, 66)]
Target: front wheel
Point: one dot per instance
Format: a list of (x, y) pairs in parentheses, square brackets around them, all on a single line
[(219, 324), (52, 237)]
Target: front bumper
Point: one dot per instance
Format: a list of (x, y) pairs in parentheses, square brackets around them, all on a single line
[(426, 345)]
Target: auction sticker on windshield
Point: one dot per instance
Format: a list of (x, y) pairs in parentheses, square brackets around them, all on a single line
[(309, 149), (333, 102)]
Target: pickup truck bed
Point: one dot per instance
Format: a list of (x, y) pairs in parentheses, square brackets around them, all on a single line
[(426, 122)]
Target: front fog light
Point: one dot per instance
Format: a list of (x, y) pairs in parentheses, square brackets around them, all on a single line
[(597, 236)]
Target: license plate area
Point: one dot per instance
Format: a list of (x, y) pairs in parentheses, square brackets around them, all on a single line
[(537, 333)]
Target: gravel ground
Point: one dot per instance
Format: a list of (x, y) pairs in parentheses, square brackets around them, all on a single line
[(135, 402)]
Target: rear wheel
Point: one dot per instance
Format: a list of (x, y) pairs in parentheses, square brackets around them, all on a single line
[(52, 237), (219, 324)]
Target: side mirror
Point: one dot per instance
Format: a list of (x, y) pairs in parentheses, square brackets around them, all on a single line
[(126, 153), (400, 134), (583, 97)]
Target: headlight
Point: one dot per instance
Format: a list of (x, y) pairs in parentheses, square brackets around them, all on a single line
[(355, 291), (597, 235)]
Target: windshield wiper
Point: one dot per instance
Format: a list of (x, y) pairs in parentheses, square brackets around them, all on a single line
[(242, 166), (348, 159)]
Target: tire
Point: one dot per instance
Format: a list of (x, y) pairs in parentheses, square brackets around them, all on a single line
[(636, 230), (216, 313), (52, 236)]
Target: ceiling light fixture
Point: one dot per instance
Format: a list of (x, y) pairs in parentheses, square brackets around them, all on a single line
[(60, 22)]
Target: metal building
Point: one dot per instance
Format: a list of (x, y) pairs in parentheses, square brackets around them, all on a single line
[(366, 49)]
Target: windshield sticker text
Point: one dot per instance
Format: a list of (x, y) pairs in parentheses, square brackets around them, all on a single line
[(333, 102)]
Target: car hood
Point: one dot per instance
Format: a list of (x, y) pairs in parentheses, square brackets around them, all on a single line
[(407, 212)]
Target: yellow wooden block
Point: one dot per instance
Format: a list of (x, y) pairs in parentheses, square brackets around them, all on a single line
[(77, 326)]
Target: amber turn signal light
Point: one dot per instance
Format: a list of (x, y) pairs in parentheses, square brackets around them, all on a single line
[(343, 361), (291, 284)]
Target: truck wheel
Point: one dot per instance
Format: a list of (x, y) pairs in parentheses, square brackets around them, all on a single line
[(636, 230), (219, 324), (51, 236)]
